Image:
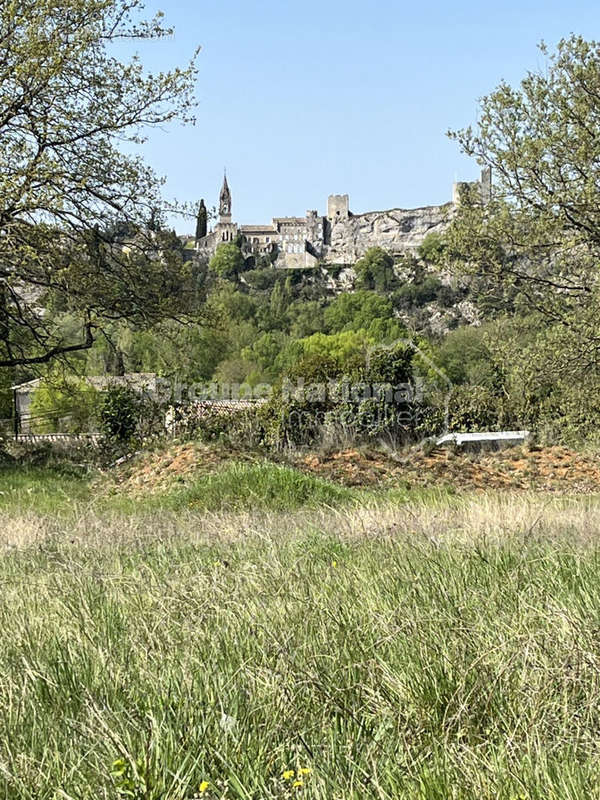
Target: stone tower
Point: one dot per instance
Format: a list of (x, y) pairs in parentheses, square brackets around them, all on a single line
[(225, 203), (226, 230), (338, 208), (485, 184)]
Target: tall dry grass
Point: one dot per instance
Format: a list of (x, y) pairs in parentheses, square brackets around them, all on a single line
[(446, 650)]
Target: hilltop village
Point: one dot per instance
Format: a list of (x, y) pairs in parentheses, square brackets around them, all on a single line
[(341, 237)]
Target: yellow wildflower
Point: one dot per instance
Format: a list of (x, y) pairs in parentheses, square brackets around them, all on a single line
[(304, 771), (334, 563), (288, 774), (298, 784), (203, 787)]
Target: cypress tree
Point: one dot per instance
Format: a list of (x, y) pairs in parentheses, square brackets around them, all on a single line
[(201, 222)]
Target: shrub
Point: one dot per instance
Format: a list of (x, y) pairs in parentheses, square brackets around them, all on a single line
[(372, 398), (417, 293), (433, 247), (375, 270), (120, 413), (261, 279), (478, 408)]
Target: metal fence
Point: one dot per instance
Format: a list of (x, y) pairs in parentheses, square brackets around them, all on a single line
[(64, 438), (28, 427)]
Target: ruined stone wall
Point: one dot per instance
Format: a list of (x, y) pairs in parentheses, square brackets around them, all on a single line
[(398, 231)]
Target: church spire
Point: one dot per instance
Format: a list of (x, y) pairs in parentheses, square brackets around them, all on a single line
[(225, 201)]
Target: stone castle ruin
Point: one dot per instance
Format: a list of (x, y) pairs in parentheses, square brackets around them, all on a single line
[(340, 238)]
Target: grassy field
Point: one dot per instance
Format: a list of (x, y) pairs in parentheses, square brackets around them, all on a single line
[(233, 644)]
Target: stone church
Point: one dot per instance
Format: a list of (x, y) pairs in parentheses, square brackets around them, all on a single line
[(339, 238)]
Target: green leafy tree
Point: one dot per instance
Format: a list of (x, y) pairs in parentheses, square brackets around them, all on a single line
[(375, 270), (68, 104), (228, 261), (265, 351), (432, 248), (391, 365), (225, 303), (261, 279), (417, 293), (188, 353), (306, 317), (120, 413), (357, 310), (465, 357), (279, 302), (342, 353), (236, 370), (540, 234)]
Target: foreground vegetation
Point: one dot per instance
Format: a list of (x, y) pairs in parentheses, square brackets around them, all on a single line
[(323, 650), (255, 631)]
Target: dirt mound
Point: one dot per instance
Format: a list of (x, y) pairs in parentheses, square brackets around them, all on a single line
[(556, 469), (162, 469), (350, 467)]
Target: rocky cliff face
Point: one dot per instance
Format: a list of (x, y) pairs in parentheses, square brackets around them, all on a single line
[(397, 231)]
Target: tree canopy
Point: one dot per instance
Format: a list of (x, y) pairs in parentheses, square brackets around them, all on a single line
[(375, 270), (540, 234), (228, 260), (68, 191)]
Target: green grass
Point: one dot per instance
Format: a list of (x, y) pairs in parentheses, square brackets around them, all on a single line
[(41, 489), (396, 643), (407, 652), (263, 486), (238, 486)]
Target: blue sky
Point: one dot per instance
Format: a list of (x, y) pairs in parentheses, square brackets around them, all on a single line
[(301, 100)]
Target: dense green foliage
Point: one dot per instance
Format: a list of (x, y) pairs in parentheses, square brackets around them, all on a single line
[(228, 261), (120, 413), (75, 207), (511, 370), (540, 234), (376, 270)]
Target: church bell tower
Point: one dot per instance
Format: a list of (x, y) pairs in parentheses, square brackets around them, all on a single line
[(226, 230), (225, 203)]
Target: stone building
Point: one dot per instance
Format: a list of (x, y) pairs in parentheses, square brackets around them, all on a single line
[(339, 238)]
